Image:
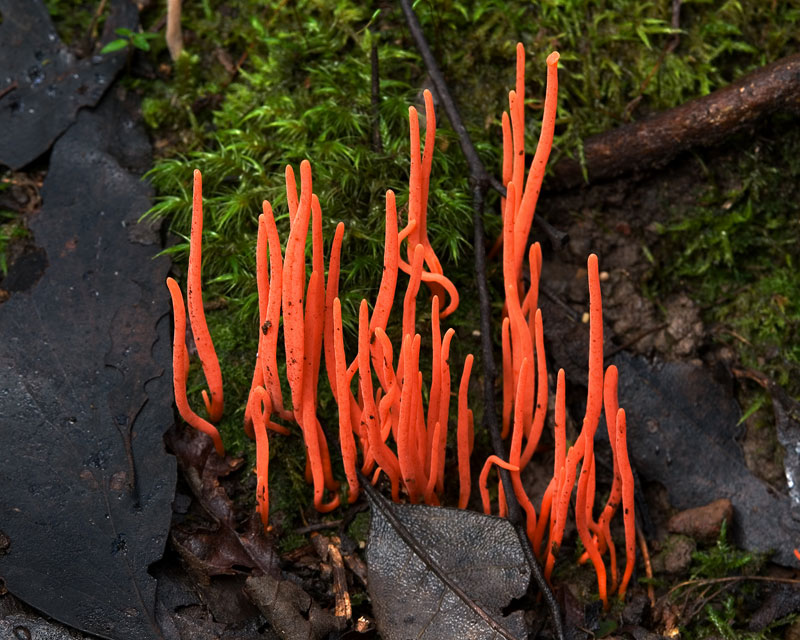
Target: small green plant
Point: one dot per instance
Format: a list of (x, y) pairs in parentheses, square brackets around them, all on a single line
[(11, 228), (137, 39), (723, 559)]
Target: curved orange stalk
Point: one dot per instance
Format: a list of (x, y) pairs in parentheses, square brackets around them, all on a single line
[(262, 286), (180, 369), (436, 383), (541, 397), (559, 458), (533, 185), (197, 316), (434, 266), (317, 320), (436, 279), (628, 514), (502, 505), (518, 141), (291, 193), (487, 466), (521, 348), (260, 409), (314, 319), (414, 184), (293, 287), (509, 275), (388, 286), (462, 436), (421, 438), (611, 407), (531, 302), (318, 461), (270, 327), (391, 255), (430, 488), (406, 450), (594, 403), (331, 294), (797, 554), (566, 484), (508, 382), (524, 389), (377, 448), (544, 518), (518, 111), (444, 406), (507, 156), (410, 299)]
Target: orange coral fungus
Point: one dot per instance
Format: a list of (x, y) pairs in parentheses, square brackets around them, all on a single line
[(626, 479), (418, 185), (260, 409), (180, 369), (394, 418), (197, 316)]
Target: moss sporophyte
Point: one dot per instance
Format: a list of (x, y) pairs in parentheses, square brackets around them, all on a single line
[(389, 425)]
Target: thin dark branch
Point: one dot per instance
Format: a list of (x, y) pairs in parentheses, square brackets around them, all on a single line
[(379, 502), (476, 169), (480, 180)]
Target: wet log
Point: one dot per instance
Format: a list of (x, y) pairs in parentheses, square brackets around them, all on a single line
[(702, 122)]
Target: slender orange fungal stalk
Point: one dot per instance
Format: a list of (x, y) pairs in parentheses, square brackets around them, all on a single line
[(331, 294), (180, 369), (484, 476), (444, 405), (369, 416), (533, 185), (197, 316), (524, 389), (260, 411), (541, 394), (628, 515), (594, 402), (463, 436), (508, 382)]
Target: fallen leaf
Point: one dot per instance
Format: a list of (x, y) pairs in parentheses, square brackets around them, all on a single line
[(441, 573), (85, 482), (222, 547)]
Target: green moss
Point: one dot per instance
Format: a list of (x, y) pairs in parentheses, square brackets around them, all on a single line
[(737, 253)]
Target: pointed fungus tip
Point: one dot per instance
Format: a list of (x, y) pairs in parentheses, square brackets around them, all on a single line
[(553, 58)]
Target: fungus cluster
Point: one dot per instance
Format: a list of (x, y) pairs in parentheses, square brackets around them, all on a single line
[(388, 427)]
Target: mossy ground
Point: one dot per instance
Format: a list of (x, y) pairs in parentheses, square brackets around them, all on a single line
[(263, 84)]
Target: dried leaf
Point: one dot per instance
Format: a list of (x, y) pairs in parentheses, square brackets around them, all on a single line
[(221, 548), (440, 573)]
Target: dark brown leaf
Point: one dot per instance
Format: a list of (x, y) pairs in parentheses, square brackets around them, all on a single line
[(437, 573)]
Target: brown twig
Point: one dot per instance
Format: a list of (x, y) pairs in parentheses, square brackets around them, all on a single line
[(648, 568), (701, 122), (8, 89)]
